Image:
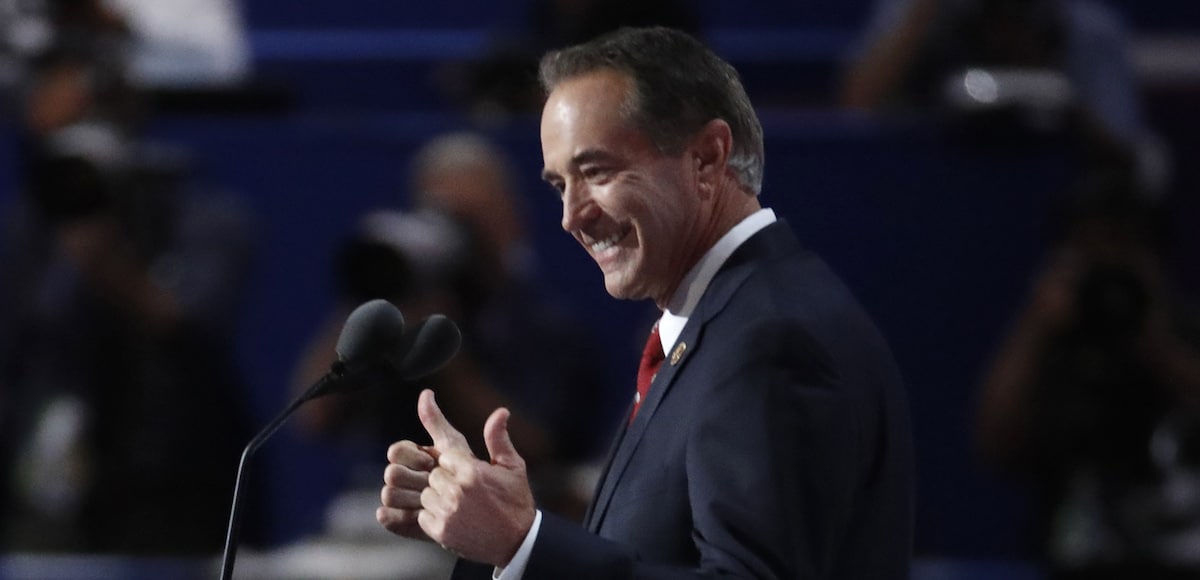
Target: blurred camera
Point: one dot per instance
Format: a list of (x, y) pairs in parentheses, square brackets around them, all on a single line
[(401, 255)]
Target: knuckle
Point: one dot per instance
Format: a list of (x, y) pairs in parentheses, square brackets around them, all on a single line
[(454, 497), (469, 476), (428, 498), (396, 450), (434, 527), (438, 477)]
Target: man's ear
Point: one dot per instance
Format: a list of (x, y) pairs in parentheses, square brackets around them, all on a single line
[(710, 152)]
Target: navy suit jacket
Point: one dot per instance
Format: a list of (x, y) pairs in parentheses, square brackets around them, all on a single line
[(773, 443)]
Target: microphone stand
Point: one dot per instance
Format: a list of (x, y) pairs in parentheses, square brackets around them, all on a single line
[(427, 349), (235, 513)]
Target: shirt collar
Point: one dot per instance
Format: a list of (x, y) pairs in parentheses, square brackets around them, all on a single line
[(688, 294)]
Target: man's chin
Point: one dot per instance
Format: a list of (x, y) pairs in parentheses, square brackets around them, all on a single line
[(622, 290), (619, 290)]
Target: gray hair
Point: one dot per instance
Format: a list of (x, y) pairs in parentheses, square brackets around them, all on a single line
[(679, 85)]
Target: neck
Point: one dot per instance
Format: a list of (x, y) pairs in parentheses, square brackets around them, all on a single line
[(729, 207)]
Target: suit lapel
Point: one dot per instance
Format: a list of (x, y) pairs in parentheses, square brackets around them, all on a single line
[(631, 436), (774, 240), (612, 452)]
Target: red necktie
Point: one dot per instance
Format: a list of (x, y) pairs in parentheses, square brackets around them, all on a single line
[(652, 358)]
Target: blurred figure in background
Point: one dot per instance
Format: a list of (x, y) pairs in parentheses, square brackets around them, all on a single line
[(25, 31), (121, 409), (1052, 62), (185, 43), (77, 74), (123, 416), (505, 82), (413, 260), (1093, 398), (154, 43), (463, 253)]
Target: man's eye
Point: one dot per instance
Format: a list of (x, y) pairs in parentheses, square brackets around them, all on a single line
[(595, 173)]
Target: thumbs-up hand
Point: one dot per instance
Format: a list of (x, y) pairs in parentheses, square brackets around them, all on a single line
[(476, 509)]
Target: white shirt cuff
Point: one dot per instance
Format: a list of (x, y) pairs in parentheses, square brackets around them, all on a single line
[(516, 567)]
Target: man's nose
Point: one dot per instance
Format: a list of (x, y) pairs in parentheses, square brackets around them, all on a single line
[(578, 206)]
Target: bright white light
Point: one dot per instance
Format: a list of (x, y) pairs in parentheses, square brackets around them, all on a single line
[(981, 86)]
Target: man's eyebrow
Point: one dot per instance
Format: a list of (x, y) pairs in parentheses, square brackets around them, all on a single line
[(589, 155), (585, 156)]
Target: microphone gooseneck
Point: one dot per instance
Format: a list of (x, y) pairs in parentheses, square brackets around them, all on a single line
[(372, 348)]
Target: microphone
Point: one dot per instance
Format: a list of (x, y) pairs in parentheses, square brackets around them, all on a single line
[(374, 329), (435, 341), (371, 341), (372, 349)]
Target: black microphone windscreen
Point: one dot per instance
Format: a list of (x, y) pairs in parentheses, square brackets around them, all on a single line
[(374, 330), (436, 341)]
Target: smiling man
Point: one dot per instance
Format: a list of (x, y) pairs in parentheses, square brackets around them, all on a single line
[(645, 216), (768, 436)]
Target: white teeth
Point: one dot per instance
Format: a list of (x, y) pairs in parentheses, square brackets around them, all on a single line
[(602, 245)]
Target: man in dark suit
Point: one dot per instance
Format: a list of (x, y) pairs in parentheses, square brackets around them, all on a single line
[(773, 442)]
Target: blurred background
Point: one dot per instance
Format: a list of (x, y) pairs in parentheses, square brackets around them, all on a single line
[(195, 192)]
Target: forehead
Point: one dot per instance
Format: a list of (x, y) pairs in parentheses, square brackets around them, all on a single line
[(585, 113), (596, 98)]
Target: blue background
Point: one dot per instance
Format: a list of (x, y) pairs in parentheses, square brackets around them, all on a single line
[(938, 239)]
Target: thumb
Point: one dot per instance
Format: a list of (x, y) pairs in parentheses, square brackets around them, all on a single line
[(499, 444), (445, 436)]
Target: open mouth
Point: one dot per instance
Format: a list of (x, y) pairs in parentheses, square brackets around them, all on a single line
[(612, 240)]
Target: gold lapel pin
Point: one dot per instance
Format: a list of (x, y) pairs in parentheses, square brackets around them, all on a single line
[(678, 353)]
